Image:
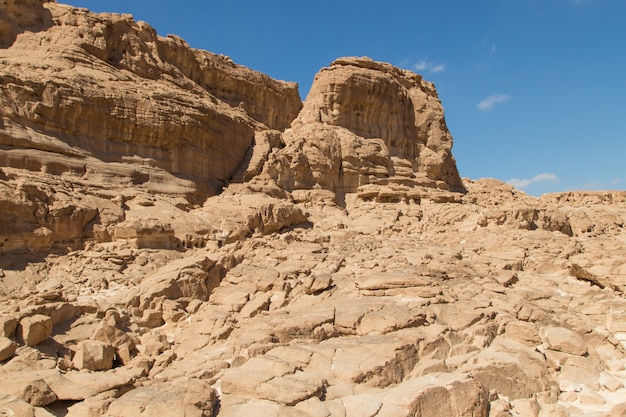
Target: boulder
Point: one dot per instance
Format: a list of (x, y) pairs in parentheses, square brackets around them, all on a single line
[(8, 324), (7, 348), (35, 329), (564, 340), (93, 355), (37, 393), (13, 406)]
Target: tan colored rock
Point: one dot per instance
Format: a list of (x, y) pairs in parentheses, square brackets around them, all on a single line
[(8, 324), (526, 407), (499, 408), (164, 134), (511, 369), (259, 407), (146, 233), (7, 348), (37, 393), (181, 397), (78, 386), (618, 410), (93, 355), (273, 379), (13, 406), (565, 340), (436, 395), (169, 208), (339, 142), (35, 329)]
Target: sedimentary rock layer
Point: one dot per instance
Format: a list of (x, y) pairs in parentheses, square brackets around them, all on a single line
[(177, 238)]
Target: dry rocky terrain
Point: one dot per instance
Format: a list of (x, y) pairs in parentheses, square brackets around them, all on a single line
[(182, 236)]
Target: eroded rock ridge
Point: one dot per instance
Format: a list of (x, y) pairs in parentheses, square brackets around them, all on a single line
[(182, 236)]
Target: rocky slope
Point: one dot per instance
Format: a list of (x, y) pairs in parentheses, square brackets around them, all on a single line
[(180, 235)]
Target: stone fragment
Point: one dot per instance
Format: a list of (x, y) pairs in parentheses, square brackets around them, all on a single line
[(151, 318), (78, 386), (8, 325), (13, 406), (499, 408), (564, 340), (588, 397), (513, 370), (37, 393), (93, 355), (553, 410), (526, 407), (7, 348), (35, 329), (610, 382), (317, 283)]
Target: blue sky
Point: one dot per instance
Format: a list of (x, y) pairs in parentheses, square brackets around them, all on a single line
[(534, 91)]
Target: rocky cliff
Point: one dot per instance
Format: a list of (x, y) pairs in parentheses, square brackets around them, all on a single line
[(180, 235), (363, 123)]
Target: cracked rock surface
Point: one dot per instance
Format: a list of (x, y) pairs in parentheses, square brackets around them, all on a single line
[(181, 236)]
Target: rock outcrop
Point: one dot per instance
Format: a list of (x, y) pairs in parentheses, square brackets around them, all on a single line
[(100, 104), (366, 122), (177, 237)]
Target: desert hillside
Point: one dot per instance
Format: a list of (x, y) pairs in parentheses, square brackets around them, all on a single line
[(183, 236)]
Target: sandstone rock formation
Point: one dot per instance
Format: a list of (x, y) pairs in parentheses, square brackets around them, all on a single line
[(363, 123), (102, 102), (178, 238)]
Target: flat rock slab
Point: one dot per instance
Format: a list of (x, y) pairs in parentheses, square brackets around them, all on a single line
[(271, 378), (564, 340), (178, 398), (436, 395)]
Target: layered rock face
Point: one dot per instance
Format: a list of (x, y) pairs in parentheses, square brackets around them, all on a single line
[(368, 123), (101, 105), (177, 238), (89, 95)]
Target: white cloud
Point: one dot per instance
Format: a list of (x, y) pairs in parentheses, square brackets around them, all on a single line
[(525, 182), (404, 63), (488, 104), (429, 66), (420, 66), (438, 68)]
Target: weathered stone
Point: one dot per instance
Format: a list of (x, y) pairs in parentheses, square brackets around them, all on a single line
[(35, 329), (565, 340), (180, 397), (8, 324), (93, 355), (436, 395), (78, 386), (168, 207), (7, 348), (37, 393), (271, 378), (511, 369), (13, 406)]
